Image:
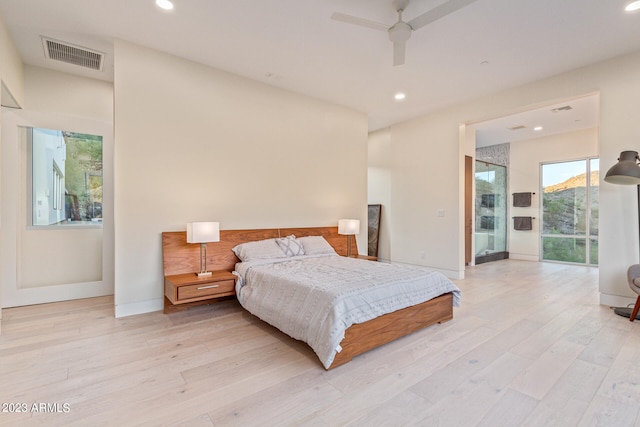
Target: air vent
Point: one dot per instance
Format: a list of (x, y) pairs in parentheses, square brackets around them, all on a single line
[(560, 109), (518, 127), (76, 55)]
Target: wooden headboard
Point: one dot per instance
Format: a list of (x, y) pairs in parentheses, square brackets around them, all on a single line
[(180, 257)]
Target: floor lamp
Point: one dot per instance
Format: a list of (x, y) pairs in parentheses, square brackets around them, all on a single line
[(626, 172)]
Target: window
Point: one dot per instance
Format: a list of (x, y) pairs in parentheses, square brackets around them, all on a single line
[(58, 184), (570, 211), (66, 177)]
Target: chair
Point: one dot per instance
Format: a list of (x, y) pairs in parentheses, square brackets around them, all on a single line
[(633, 276)]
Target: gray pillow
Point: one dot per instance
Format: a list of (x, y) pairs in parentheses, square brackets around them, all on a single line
[(290, 246)]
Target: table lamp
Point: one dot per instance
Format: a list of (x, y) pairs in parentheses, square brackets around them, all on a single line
[(349, 227), (203, 233)]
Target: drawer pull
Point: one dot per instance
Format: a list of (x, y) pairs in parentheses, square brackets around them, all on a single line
[(208, 287)]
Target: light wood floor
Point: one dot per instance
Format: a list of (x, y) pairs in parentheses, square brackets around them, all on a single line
[(530, 346)]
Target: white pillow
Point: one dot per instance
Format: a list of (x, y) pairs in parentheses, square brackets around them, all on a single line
[(260, 249), (290, 246), (315, 245)]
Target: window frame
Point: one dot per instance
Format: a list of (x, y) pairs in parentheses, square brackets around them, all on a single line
[(59, 190)]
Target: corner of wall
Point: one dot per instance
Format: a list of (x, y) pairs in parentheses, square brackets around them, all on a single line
[(0, 211), (141, 307), (11, 68), (615, 300)]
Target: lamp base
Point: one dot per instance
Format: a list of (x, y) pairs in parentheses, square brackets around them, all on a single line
[(208, 273), (625, 312)]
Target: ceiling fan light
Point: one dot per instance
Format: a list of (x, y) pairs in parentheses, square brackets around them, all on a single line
[(632, 6)]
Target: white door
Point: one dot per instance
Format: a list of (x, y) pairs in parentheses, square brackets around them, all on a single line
[(47, 252)]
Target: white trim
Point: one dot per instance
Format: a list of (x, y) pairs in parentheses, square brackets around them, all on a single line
[(523, 257), (616, 300), (141, 307), (44, 294), (13, 294), (451, 274)]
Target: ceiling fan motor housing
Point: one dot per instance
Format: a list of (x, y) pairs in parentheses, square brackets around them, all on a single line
[(400, 32)]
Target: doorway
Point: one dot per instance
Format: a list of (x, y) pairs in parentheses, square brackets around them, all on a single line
[(490, 212), (468, 209), (48, 255)]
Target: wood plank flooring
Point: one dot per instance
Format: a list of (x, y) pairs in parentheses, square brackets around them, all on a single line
[(530, 346)]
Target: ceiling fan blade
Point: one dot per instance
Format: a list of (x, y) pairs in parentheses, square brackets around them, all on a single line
[(438, 12), (337, 16), (399, 49)]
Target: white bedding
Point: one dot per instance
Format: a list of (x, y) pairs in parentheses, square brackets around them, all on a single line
[(316, 298)]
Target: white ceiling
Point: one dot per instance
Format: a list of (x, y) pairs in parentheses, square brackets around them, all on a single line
[(568, 116), (485, 47)]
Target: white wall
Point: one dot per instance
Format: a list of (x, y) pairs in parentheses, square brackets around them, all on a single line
[(524, 176), (11, 69), (427, 149), (379, 186), (195, 144), (52, 265), (427, 193), (11, 93)]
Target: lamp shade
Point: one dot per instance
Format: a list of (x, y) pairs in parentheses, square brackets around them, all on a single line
[(203, 232), (349, 226), (626, 171)]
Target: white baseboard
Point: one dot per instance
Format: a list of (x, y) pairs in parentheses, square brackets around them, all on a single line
[(55, 293), (454, 275), (616, 300), (451, 274), (141, 307), (523, 257)]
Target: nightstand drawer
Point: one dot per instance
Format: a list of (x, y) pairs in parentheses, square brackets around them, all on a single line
[(206, 289), (182, 291)]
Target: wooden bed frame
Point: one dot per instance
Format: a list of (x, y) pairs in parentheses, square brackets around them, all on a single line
[(180, 257)]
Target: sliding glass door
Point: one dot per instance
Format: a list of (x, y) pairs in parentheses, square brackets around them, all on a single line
[(570, 211)]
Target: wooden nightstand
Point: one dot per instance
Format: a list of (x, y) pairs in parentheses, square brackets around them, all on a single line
[(182, 291)]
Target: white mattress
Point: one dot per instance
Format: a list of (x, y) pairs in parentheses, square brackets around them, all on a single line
[(315, 299)]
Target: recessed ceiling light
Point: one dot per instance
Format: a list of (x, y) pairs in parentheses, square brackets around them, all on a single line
[(164, 4), (399, 96), (634, 5), (537, 128)]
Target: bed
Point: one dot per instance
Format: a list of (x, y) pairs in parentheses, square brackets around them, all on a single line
[(276, 289)]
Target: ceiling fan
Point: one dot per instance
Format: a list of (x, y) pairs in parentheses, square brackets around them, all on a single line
[(400, 32)]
